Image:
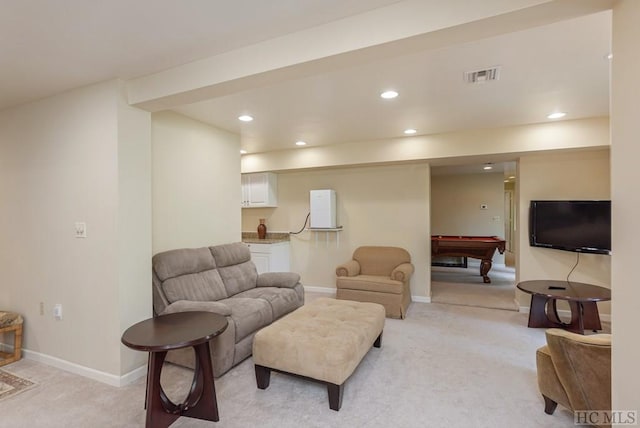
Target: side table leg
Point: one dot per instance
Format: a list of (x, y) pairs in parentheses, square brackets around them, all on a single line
[(201, 402), (159, 408), (590, 316)]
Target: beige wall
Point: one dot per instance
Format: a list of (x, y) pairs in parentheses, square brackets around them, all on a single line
[(455, 205), (380, 205), (60, 161), (196, 183), (574, 175), (625, 176), (134, 224)]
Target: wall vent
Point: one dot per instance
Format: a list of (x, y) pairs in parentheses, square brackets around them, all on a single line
[(482, 76)]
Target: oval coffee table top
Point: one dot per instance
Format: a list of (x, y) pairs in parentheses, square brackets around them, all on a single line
[(566, 290), (174, 331)]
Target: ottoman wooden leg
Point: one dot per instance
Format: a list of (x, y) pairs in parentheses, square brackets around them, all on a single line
[(263, 376), (378, 342), (335, 395)]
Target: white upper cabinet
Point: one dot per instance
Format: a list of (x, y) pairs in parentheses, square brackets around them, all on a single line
[(259, 190)]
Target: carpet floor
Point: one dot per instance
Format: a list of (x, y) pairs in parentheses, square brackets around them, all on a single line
[(443, 366), (464, 286)]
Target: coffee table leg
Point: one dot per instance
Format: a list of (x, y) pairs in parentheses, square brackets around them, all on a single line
[(537, 312), (590, 316)]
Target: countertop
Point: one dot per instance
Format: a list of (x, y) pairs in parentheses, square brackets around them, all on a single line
[(270, 238)]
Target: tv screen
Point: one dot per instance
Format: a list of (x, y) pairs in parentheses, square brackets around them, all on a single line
[(582, 226)]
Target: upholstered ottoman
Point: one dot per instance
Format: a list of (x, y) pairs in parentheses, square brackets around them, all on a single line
[(11, 322), (324, 341)]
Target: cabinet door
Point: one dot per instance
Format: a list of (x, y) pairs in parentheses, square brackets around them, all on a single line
[(261, 260), (244, 183), (258, 189)]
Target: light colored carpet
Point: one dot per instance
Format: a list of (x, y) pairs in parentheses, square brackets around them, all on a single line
[(464, 286), (443, 366)]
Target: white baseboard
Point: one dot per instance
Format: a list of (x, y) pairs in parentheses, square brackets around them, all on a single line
[(88, 372), (332, 291), (566, 314), (323, 290)]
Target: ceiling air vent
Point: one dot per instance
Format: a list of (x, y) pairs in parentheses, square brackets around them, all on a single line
[(481, 76)]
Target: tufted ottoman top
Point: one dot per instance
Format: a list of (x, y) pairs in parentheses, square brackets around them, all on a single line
[(323, 340), (8, 319)]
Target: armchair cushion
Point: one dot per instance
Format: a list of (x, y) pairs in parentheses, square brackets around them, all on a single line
[(370, 283)]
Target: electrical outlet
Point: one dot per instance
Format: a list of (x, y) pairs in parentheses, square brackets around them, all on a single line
[(41, 308), (57, 311)]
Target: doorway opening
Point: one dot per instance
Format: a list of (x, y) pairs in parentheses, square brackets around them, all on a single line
[(468, 200)]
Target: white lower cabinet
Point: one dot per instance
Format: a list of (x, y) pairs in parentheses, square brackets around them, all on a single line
[(270, 257)]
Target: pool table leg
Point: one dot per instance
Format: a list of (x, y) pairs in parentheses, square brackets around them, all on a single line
[(485, 267)]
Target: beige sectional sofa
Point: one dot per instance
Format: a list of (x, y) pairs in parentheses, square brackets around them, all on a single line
[(224, 280)]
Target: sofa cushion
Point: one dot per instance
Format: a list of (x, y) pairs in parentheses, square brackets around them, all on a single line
[(282, 300), (278, 279), (189, 306), (238, 278), (248, 314), (230, 254), (202, 287), (370, 283), (172, 263)]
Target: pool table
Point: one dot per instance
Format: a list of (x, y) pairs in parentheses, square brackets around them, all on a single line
[(477, 247)]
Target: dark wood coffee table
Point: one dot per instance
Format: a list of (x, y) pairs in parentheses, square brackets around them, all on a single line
[(174, 331), (581, 297)]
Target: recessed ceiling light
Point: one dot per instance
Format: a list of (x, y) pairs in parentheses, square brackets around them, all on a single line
[(300, 143), (410, 131), (556, 115), (245, 118), (511, 177), (487, 166), (387, 95), (243, 152)]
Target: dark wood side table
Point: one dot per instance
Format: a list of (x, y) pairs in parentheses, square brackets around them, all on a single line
[(174, 331), (581, 297)]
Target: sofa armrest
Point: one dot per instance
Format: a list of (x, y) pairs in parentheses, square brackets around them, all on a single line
[(350, 268), (191, 306), (402, 272), (278, 279)]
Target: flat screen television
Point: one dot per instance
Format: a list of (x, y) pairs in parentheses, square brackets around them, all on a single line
[(581, 226)]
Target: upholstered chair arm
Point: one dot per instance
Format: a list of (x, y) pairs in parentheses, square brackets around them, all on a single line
[(402, 272), (190, 306), (583, 366), (350, 268), (278, 279)]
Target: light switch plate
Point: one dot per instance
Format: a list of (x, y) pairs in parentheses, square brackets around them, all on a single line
[(81, 229)]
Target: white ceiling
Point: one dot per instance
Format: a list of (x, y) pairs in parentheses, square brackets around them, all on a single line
[(48, 47), (561, 66)]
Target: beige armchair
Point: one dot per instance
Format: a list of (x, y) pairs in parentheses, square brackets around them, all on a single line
[(379, 275), (575, 371)]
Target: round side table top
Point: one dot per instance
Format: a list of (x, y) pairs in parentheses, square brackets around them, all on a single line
[(174, 331), (566, 290)]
